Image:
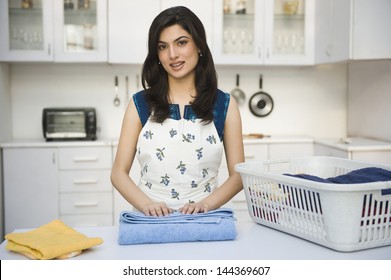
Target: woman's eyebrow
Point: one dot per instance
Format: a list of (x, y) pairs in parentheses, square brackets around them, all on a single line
[(176, 40)]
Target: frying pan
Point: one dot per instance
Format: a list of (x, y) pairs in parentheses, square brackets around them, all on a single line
[(237, 93), (261, 103)]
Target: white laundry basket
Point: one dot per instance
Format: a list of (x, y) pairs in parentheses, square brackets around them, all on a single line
[(343, 217)]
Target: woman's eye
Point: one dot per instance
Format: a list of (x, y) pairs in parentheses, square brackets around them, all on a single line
[(161, 47), (181, 43)]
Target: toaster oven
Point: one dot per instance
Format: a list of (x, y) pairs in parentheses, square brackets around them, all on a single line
[(61, 124)]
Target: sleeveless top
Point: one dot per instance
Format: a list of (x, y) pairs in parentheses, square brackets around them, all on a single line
[(180, 157)]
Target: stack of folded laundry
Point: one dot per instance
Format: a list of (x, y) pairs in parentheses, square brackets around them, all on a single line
[(136, 228), (54, 240)]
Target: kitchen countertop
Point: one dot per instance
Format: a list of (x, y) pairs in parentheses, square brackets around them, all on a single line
[(254, 242), (352, 144), (40, 143)]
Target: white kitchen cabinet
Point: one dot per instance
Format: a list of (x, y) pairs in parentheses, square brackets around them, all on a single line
[(129, 23), (281, 151), (359, 149), (86, 194), (332, 31), (81, 31), (46, 31), (26, 34), (264, 32), (202, 8), (30, 187), (371, 21)]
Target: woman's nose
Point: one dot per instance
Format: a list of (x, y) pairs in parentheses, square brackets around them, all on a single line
[(173, 52)]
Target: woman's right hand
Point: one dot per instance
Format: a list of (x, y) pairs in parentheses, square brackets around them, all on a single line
[(157, 209)]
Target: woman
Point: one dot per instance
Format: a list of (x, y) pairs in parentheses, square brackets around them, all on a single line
[(178, 126)]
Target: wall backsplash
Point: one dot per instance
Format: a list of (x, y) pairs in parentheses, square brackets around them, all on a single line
[(308, 100)]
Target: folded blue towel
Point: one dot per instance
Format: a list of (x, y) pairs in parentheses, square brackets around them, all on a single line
[(136, 228), (364, 175)]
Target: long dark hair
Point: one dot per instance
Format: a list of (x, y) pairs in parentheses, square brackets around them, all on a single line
[(154, 77)]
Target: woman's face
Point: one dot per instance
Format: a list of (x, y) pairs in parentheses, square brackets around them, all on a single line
[(177, 52)]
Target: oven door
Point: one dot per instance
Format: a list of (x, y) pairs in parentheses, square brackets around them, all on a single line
[(62, 125)]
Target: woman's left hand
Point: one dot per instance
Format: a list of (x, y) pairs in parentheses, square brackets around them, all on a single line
[(194, 208)]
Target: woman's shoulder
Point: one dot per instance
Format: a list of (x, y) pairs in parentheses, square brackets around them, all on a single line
[(222, 99), (141, 106)]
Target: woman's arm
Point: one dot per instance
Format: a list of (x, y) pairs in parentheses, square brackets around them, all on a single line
[(234, 152), (126, 151)]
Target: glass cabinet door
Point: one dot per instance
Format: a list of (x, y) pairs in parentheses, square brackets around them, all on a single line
[(81, 30), (287, 34), (239, 31), (26, 30)]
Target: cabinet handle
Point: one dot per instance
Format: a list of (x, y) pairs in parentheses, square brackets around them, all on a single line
[(49, 50), (85, 204), (249, 156), (85, 182), (85, 159), (86, 225)]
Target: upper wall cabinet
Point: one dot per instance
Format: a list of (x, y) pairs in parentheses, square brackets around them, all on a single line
[(371, 36), (332, 31), (202, 8), (26, 30), (264, 32), (81, 31), (129, 23), (53, 30)]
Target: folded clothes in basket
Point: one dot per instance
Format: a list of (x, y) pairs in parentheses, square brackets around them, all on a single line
[(136, 228), (363, 175)]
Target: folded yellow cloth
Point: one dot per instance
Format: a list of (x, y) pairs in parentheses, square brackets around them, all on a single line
[(54, 240)]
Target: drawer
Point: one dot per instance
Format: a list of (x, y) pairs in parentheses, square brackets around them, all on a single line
[(86, 203), (85, 158), (89, 220), (285, 151), (85, 180), (322, 150), (256, 152)]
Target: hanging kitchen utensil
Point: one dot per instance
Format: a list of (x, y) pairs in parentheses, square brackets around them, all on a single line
[(237, 93), (117, 101), (126, 91), (261, 103)]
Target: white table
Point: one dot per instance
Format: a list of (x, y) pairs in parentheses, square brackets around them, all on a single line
[(254, 242)]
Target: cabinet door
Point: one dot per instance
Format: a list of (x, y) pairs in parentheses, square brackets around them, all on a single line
[(26, 31), (332, 31), (202, 8), (371, 23), (322, 150), (281, 151), (30, 187), (289, 32), (81, 31), (129, 23), (238, 32)]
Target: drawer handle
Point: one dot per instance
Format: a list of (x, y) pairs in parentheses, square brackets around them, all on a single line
[(86, 225), (249, 156), (85, 182), (85, 159), (85, 204)]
